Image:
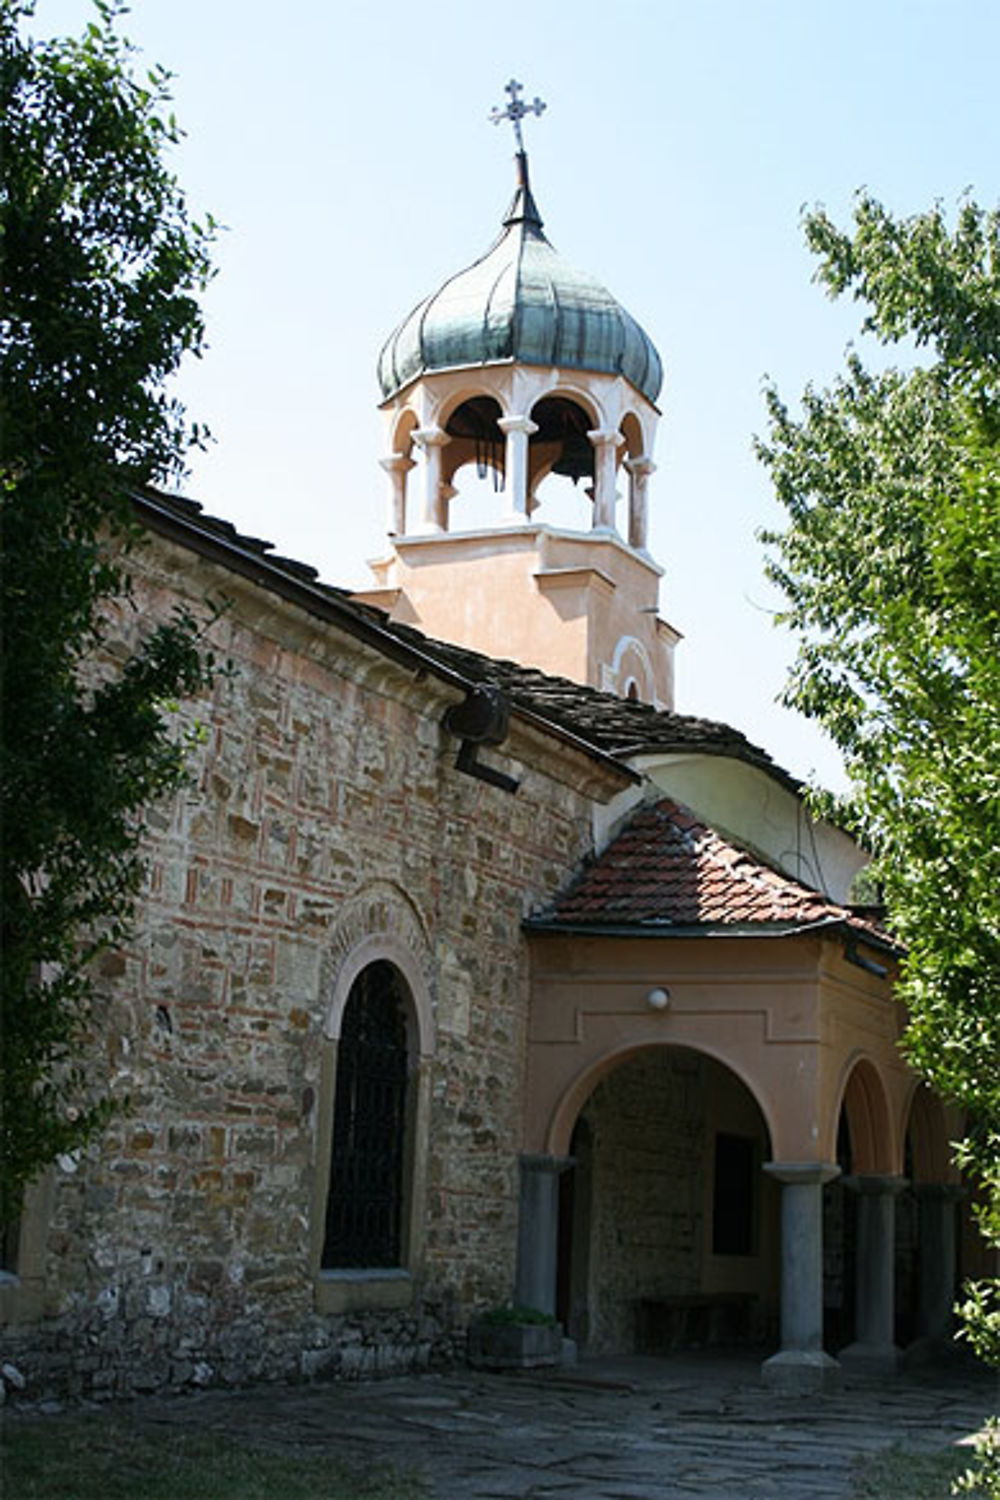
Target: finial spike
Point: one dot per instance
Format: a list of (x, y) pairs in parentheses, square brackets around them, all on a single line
[(516, 110)]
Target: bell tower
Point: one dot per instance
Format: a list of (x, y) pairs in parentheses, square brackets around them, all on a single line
[(526, 367)]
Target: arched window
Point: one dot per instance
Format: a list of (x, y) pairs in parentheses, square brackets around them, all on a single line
[(364, 1209)]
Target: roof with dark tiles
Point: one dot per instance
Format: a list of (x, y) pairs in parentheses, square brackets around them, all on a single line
[(667, 870), (612, 726)]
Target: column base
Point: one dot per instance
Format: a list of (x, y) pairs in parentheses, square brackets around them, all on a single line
[(801, 1371), (873, 1360)]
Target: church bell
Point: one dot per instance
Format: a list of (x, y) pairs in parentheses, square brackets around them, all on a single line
[(576, 461)]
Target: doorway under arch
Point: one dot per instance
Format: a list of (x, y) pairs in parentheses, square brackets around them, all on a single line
[(668, 1228)]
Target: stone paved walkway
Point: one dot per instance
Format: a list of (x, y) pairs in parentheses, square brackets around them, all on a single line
[(635, 1429)]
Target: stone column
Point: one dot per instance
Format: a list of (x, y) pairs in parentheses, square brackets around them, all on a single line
[(606, 445), (538, 1230), (397, 466), (801, 1364), (431, 440), (874, 1350), (517, 431), (639, 470), (937, 1202)]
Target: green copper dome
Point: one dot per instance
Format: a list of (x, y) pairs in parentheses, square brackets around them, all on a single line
[(521, 302)]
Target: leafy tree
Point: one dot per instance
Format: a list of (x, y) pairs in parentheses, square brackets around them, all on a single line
[(101, 265), (891, 568)]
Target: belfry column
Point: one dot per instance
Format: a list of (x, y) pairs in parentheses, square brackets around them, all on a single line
[(397, 466), (606, 445), (801, 1364), (639, 470), (431, 440), (537, 1230), (517, 431)]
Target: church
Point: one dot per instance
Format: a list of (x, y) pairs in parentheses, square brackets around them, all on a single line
[(469, 973)]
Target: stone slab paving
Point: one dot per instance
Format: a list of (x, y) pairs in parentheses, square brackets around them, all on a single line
[(635, 1429)]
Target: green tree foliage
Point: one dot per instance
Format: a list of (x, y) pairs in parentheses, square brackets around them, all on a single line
[(891, 568), (101, 267)]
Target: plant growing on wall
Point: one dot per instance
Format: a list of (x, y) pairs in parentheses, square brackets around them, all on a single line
[(101, 266)]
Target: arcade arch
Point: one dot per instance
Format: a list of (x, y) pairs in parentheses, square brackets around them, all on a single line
[(865, 1106), (927, 1150), (668, 1229)]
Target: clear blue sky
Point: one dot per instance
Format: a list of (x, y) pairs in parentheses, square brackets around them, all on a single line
[(347, 148)]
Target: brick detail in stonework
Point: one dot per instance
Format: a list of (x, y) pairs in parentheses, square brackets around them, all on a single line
[(323, 806)]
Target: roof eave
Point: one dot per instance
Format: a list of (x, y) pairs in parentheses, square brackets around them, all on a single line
[(388, 397), (320, 600), (826, 926)]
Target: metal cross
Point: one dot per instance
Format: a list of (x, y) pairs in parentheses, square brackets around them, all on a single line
[(516, 110)]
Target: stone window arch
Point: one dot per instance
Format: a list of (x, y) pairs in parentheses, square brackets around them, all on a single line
[(630, 671), (376, 1059), (366, 1187)]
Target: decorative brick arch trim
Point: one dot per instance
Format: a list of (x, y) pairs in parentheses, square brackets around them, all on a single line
[(380, 922)]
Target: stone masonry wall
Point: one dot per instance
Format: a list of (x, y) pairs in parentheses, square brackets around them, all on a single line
[(178, 1249), (648, 1124), (652, 1129)]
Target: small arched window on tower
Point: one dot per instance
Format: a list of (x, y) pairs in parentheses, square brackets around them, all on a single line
[(365, 1202)]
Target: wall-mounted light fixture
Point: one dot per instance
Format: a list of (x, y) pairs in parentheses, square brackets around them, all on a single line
[(658, 999)]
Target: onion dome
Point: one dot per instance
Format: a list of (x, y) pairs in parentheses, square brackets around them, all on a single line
[(520, 303)]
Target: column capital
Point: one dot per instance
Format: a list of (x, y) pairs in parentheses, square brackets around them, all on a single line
[(517, 424), (430, 437), (397, 463), (875, 1182), (641, 467), (802, 1173), (604, 436)]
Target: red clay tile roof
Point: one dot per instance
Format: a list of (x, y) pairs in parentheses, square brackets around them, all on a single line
[(668, 870)]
